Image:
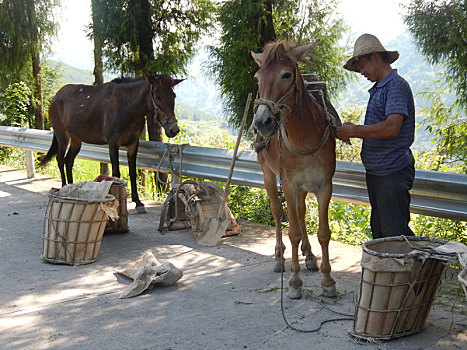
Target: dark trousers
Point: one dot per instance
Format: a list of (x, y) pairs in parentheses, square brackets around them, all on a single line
[(390, 203)]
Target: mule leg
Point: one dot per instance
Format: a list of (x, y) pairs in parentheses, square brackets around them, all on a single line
[(62, 141), (113, 154), (324, 236), (73, 150), (295, 233), (270, 183), (310, 258), (132, 151)]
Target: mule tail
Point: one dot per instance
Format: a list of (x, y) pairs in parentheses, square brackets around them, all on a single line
[(43, 160)]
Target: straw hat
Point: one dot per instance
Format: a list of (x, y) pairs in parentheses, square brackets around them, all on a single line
[(365, 45)]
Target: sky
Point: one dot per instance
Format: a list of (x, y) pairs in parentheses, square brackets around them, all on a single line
[(379, 17)]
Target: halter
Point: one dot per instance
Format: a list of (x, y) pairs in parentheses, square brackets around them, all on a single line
[(280, 111), (157, 109)]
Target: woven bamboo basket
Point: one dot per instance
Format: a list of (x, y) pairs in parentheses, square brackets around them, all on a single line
[(120, 225), (73, 229), (398, 286)]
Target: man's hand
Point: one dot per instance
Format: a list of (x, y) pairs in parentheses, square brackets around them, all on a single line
[(344, 131)]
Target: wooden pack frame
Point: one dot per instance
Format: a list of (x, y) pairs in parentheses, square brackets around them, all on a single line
[(192, 204)]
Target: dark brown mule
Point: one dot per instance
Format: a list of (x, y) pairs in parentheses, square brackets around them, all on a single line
[(112, 113), (300, 152)]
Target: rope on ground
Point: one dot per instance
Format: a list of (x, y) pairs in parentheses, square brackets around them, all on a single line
[(314, 330)]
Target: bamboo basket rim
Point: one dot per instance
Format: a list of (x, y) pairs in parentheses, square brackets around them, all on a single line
[(53, 196)]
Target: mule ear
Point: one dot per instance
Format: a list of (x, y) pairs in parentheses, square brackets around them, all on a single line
[(177, 81), (148, 76), (303, 52), (258, 57)]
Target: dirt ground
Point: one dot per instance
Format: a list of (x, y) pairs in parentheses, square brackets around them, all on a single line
[(228, 298)]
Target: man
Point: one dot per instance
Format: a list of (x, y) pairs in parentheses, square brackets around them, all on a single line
[(388, 133)]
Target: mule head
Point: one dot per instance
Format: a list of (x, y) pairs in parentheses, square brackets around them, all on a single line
[(277, 83), (162, 100)]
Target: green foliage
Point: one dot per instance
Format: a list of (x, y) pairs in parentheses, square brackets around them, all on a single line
[(248, 25), (449, 128), (257, 209), (245, 26), (439, 28), (430, 226), (349, 222), (26, 27), (156, 35), (15, 105), (12, 157), (308, 20), (344, 151), (16, 108)]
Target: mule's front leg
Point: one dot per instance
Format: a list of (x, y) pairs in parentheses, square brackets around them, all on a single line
[(270, 183), (131, 153), (324, 236), (295, 281)]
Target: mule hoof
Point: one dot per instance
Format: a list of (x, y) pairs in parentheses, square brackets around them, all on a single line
[(279, 267), (312, 266), (141, 210), (330, 291), (295, 293)]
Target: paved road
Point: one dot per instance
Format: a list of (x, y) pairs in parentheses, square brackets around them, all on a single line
[(228, 298)]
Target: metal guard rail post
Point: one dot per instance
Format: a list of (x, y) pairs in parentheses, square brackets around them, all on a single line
[(434, 193)]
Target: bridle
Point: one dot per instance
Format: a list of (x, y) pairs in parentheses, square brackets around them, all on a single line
[(157, 109), (280, 110)]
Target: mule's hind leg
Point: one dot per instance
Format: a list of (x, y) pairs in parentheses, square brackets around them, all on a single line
[(132, 151), (324, 236), (270, 183), (310, 258), (62, 141), (73, 150)]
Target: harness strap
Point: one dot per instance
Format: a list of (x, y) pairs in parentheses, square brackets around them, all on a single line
[(323, 140)]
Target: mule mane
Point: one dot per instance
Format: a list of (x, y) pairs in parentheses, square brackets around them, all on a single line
[(165, 79), (277, 51), (125, 80)]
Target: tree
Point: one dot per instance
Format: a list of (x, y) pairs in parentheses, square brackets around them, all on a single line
[(440, 31), (311, 20), (97, 37), (447, 126), (247, 25), (26, 28)]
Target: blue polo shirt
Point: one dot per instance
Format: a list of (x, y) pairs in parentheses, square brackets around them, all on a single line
[(387, 156)]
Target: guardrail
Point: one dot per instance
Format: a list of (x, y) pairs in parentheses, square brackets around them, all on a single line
[(433, 193)]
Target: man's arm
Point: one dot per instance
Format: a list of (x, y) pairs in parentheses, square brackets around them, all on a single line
[(382, 130)]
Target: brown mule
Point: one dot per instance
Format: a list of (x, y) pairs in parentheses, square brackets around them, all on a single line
[(112, 113), (300, 153)]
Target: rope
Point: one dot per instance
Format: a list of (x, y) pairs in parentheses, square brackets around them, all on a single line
[(171, 151)]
